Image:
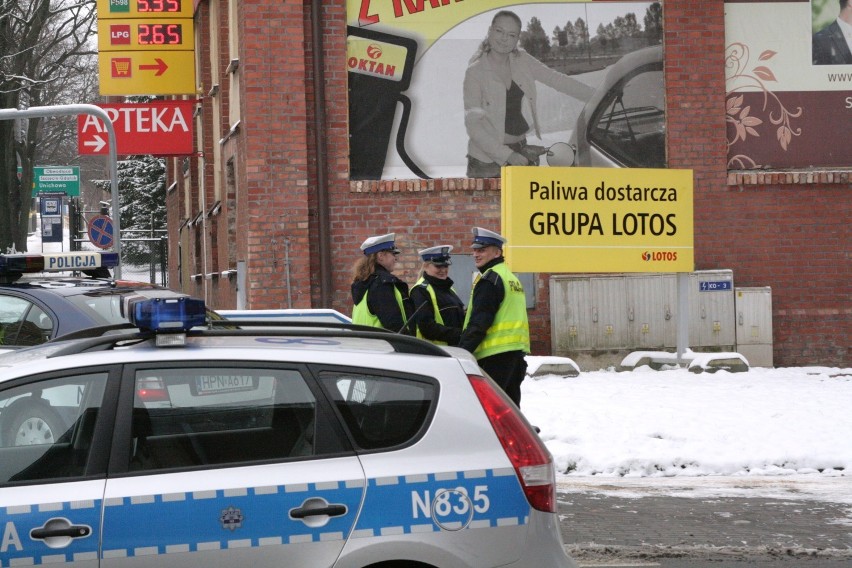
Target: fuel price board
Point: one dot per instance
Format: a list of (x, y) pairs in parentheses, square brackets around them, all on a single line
[(110, 9), (137, 35), (146, 47)]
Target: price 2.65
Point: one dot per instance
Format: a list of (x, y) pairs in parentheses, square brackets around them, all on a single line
[(160, 34)]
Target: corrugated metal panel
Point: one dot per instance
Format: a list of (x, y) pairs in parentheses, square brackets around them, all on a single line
[(570, 327), (639, 312), (609, 312), (651, 311)]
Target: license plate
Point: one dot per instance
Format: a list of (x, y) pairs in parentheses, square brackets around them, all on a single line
[(217, 384)]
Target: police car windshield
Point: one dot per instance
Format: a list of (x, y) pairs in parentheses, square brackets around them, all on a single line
[(105, 306), (105, 309)]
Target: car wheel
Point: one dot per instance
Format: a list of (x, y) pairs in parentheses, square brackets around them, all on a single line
[(34, 424)]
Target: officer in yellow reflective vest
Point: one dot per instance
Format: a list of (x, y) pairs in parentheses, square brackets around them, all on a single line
[(380, 299), (496, 329), (439, 312)]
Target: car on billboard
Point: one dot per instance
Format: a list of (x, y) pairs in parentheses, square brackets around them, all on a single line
[(623, 124)]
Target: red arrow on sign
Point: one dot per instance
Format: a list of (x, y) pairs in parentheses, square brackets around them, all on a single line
[(158, 128), (160, 67)]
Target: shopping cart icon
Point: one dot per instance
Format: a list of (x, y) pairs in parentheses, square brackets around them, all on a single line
[(121, 67)]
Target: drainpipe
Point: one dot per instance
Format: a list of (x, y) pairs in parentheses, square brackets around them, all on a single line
[(321, 161)]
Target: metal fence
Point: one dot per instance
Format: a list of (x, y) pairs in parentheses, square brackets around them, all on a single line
[(144, 253), (142, 259)]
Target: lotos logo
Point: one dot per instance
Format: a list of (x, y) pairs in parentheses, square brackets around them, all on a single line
[(374, 51), (662, 255)]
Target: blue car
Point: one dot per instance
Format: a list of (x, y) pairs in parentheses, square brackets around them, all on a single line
[(40, 299)]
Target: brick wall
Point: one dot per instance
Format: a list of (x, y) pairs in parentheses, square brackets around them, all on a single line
[(771, 231)]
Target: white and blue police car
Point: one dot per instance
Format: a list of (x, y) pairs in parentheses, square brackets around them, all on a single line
[(190, 442)]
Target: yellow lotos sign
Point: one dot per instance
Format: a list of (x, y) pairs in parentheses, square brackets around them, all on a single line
[(598, 219)]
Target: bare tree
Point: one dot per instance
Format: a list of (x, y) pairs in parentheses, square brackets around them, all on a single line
[(45, 45)]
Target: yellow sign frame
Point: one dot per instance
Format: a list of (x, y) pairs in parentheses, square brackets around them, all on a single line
[(147, 73), (600, 220)]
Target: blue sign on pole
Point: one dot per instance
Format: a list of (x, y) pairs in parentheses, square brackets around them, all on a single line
[(101, 231), (51, 206)]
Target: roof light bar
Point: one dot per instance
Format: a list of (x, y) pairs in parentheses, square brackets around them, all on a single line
[(166, 314), (61, 261), (21, 263)]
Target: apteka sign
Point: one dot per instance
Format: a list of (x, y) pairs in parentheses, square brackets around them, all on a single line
[(158, 128)]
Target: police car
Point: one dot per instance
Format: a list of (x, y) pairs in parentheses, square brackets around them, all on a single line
[(192, 443), (37, 303)]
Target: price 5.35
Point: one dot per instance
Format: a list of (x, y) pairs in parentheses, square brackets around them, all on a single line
[(172, 6)]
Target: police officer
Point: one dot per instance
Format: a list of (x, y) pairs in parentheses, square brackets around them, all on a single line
[(380, 298), (439, 312), (496, 329)]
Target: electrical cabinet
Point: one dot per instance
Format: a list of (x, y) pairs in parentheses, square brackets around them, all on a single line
[(711, 310), (603, 316), (754, 325)]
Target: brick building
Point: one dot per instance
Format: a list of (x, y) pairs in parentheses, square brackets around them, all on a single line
[(270, 193)]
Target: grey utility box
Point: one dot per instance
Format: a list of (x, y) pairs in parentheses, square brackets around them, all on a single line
[(596, 319), (754, 325), (463, 271), (711, 310)]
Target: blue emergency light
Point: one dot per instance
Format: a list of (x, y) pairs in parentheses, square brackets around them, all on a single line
[(166, 314)]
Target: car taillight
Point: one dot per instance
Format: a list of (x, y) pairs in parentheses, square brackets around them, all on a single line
[(151, 390), (528, 454)]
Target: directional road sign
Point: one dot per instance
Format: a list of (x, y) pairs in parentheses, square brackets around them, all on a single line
[(56, 179), (159, 128), (147, 72)]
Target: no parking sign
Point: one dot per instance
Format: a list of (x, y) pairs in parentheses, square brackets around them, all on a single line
[(101, 231)]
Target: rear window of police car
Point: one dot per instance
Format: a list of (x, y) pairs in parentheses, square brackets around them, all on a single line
[(204, 416), (191, 416)]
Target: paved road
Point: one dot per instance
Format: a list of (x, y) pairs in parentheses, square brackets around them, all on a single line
[(598, 524)]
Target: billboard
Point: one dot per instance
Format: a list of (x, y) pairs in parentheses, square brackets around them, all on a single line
[(788, 73), (458, 89), (598, 219)]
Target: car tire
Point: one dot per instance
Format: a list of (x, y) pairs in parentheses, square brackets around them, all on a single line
[(33, 424)]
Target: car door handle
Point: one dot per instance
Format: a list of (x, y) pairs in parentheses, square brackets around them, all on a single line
[(331, 510), (73, 531)]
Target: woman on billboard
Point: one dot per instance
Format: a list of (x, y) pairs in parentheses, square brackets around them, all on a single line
[(500, 99)]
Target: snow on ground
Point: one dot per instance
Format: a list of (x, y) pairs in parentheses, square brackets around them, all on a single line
[(678, 432)]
